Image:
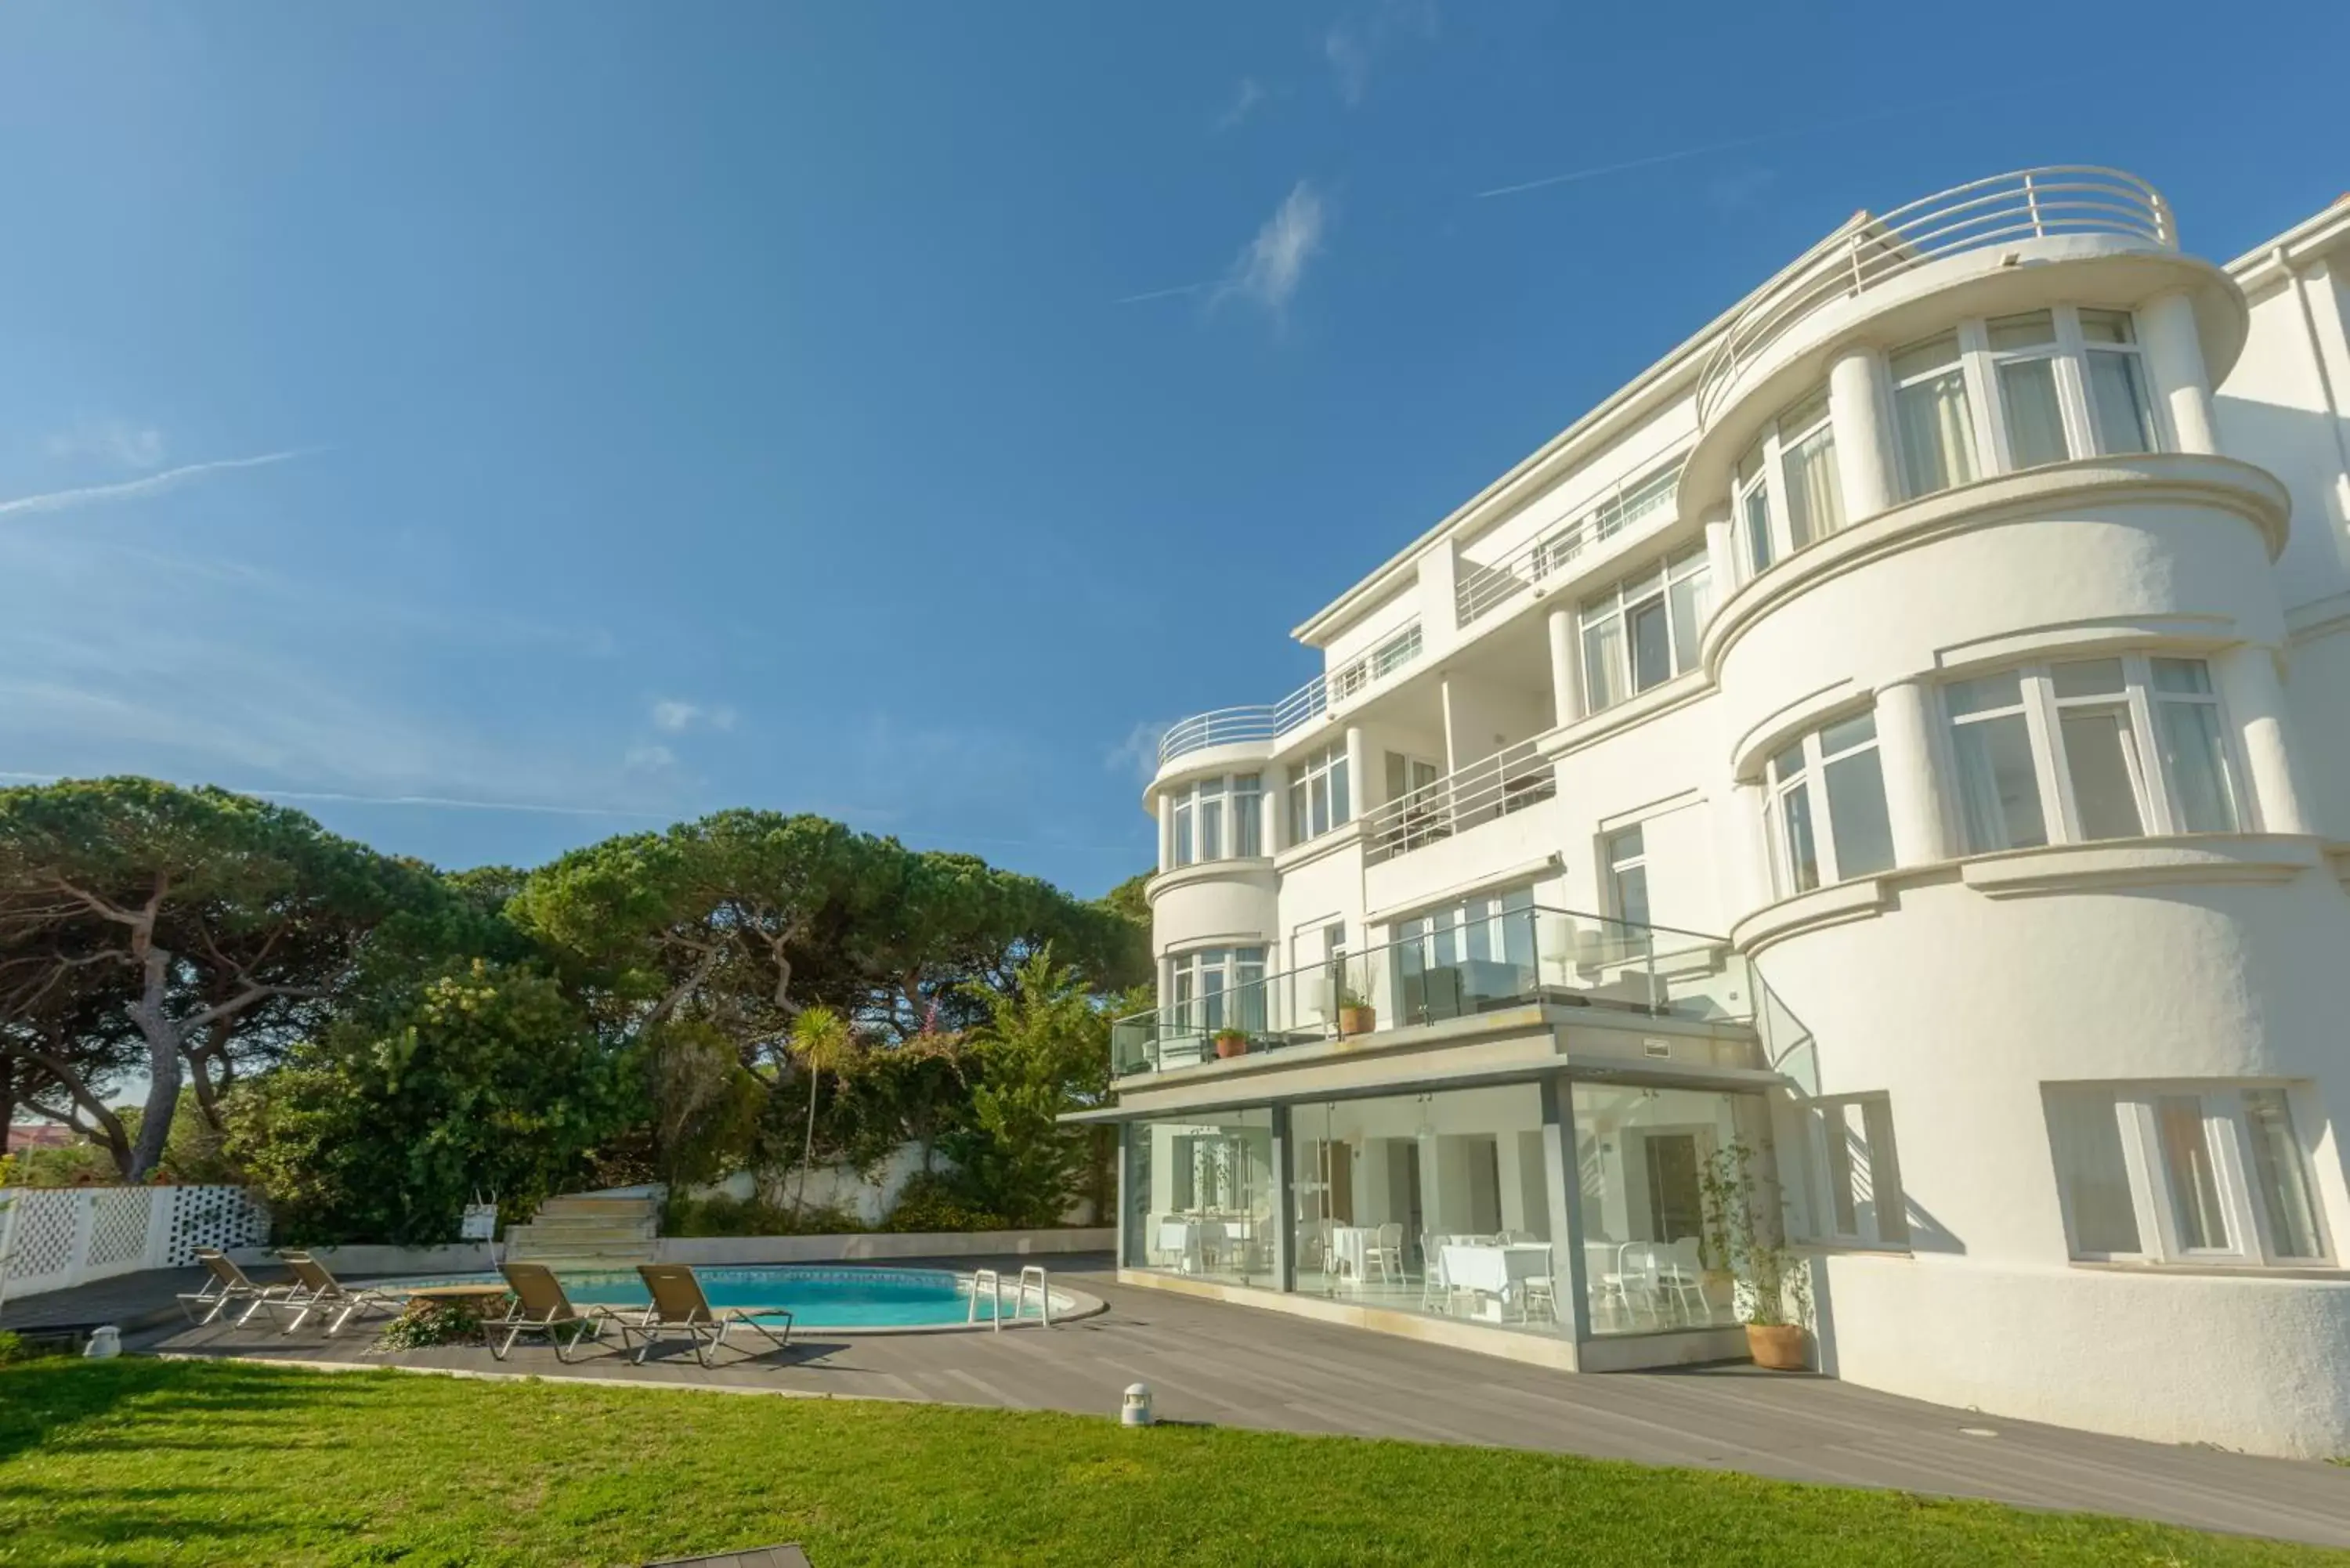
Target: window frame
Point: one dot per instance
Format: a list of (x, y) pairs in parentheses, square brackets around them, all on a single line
[(1238, 800), (1197, 1008), (1620, 866), (2227, 1132), (1690, 567), (1835, 1124), (1810, 777), (1319, 777), (2159, 813), (1763, 475)]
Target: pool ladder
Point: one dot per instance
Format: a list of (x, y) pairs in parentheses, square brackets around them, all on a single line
[(1031, 1278)]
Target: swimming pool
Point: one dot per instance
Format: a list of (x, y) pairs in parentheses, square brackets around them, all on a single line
[(835, 1299)]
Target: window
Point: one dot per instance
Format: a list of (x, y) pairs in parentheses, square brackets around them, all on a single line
[(2023, 359), (1795, 455), (1823, 807), (1931, 416), (2189, 1172), (1644, 631), (1861, 1172), (2051, 384), (1219, 818), (2090, 749), (1627, 857), (2116, 379), (1217, 988), (1382, 662), (1317, 794)]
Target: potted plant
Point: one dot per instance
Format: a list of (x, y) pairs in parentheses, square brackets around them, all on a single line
[(1770, 1283), (1355, 1013), (1231, 1042)]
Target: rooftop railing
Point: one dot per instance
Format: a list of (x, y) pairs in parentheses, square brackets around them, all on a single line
[(2029, 204), (1485, 791), (1271, 721), (1498, 959)]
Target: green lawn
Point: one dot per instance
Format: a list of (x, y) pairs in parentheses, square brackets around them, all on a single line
[(136, 1461)]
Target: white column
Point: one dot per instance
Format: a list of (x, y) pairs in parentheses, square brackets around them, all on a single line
[(1444, 711), (1863, 446), (1739, 842), (1439, 605), (1913, 794), (1277, 809), (2255, 706), (1166, 831), (1722, 554), (2174, 357), (1565, 667), (1358, 770)]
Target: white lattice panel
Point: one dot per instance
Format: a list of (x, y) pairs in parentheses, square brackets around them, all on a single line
[(42, 1243), (118, 1226), (220, 1217)]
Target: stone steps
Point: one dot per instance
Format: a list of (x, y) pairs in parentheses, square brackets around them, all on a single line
[(580, 1229)]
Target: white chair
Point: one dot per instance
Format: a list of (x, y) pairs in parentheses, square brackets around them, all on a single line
[(1643, 1268), (1612, 1279), (1431, 1272), (1385, 1254), (1680, 1274)]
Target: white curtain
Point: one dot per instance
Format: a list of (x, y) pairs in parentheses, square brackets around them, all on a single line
[(1937, 448)]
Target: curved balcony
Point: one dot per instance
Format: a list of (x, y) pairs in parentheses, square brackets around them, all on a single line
[(1868, 252), (1271, 721)]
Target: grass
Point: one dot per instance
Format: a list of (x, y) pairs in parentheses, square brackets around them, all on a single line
[(136, 1461)]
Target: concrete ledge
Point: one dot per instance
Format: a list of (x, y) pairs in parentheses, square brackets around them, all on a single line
[(1535, 1349), (1647, 1352)]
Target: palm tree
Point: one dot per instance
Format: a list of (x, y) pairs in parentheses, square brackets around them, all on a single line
[(821, 1042)]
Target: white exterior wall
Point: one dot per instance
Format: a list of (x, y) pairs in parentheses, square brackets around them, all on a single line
[(1958, 985)]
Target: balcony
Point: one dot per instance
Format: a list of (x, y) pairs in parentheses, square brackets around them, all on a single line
[(1271, 721), (2006, 209), (1509, 780), (1482, 588), (1512, 958)]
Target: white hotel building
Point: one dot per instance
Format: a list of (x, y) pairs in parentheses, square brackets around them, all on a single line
[(1907, 732)]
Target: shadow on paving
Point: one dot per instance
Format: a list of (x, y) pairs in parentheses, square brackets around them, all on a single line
[(41, 1402)]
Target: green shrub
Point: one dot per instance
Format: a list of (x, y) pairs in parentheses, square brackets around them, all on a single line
[(14, 1348), (725, 1216), (931, 1202)]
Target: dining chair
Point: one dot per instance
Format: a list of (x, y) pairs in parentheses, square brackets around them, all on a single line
[(1386, 1254), (1431, 1272), (1681, 1274)]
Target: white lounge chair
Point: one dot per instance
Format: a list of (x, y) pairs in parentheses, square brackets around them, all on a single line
[(228, 1286), (680, 1307), (317, 1291)]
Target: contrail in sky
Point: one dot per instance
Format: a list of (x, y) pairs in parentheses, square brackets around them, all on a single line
[(129, 489)]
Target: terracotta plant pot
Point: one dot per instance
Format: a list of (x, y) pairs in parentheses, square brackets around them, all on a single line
[(1777, 1346), (1229, 1046), (1358, 1020)]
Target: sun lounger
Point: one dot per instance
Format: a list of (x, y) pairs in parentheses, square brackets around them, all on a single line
[(679, 1307), (316, 1290), (541, 1306), (227, 1286)]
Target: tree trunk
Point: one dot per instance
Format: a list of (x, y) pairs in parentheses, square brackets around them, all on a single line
[(807, 1154), (162, 1055)]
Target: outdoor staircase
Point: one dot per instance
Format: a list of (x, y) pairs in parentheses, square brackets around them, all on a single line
[(589, 1228)]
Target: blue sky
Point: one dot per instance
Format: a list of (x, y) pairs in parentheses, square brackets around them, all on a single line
[(493, 428)]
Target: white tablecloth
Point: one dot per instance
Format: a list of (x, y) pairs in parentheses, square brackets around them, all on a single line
[(1349, 1243), (1496, 1271), (1186, 1239)]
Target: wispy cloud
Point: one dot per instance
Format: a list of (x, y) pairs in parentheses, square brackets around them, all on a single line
[(1351, 47), (132, 489), (118, 441), (674, 716), (1138, 751), (1270, 267), (424, 801), (649, 758), (1176, 292), (1247, 99)]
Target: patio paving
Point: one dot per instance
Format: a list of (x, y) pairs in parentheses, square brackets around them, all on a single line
[(1231, 1365)]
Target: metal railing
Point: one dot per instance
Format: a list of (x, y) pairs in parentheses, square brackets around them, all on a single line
[(2028, 204), (1488, 961), (1480, 589), (1510, 780), (1271, 721)]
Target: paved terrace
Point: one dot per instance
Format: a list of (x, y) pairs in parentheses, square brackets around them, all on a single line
[(1231, 1365)]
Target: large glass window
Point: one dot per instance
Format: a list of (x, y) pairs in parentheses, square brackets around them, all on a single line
[(1217, 819), (1792, 464), (1644, 631), (1208, 990), (1318, 799), (1201, 1197), (2117, 382), (1644, 1153), (1853, 1136), (1931, 416), (2062, 752), (1823, 807), (1465, 957), (1437, 1204), (2187, 1172), (2024, 356)]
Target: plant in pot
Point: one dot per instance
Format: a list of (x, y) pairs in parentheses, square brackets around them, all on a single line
[(1231, 1041), (1355, 1013), (1770, 1283)]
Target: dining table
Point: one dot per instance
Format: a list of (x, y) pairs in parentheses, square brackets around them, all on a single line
[(1497, 1272), (1349, 1244)]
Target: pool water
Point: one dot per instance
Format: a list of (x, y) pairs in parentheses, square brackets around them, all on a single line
[(838, 1298)]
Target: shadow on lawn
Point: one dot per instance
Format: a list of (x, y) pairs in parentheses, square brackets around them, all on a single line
[(39, 1398)]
